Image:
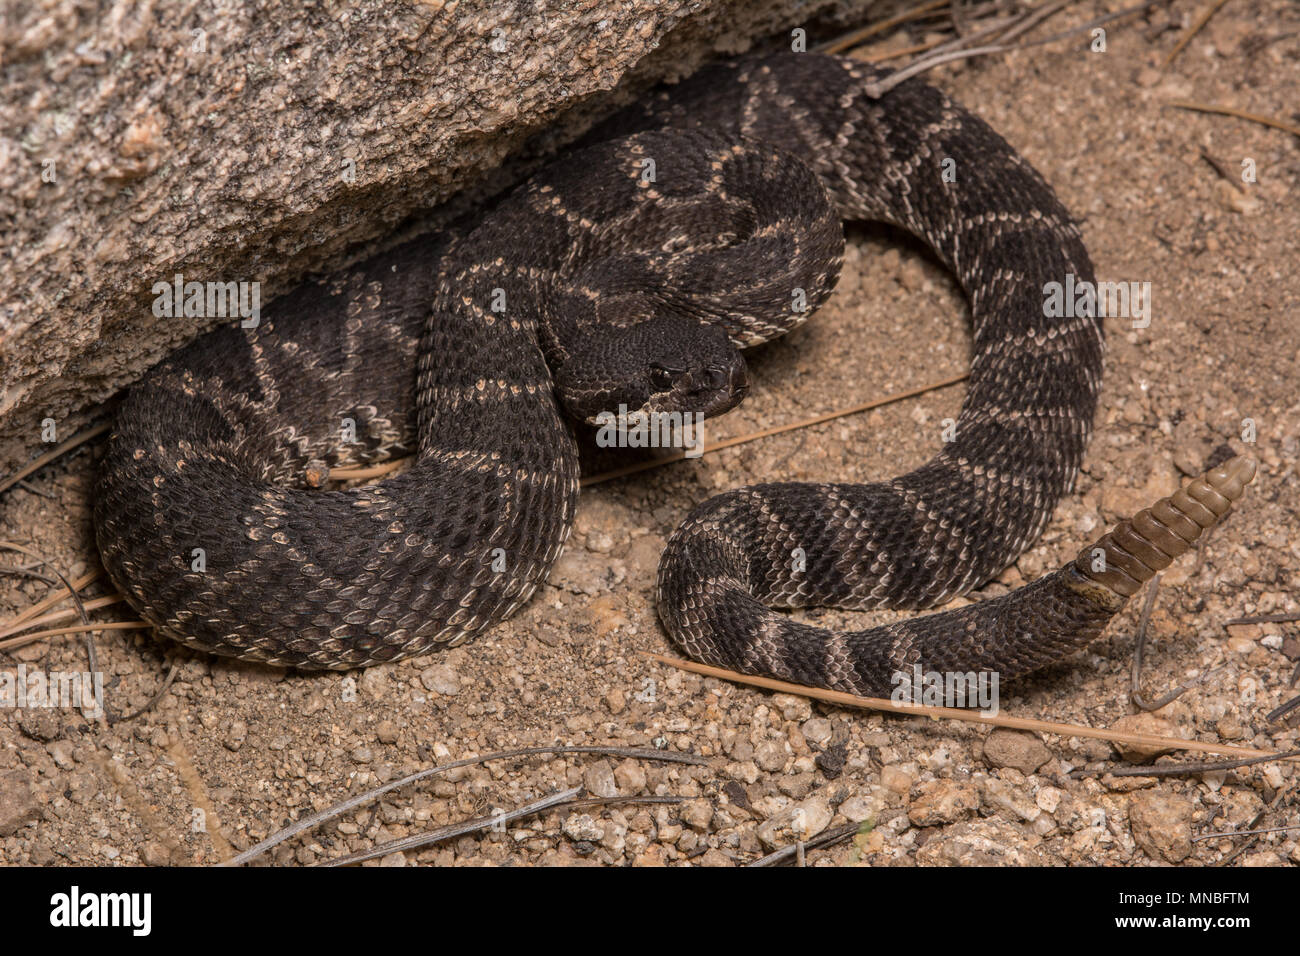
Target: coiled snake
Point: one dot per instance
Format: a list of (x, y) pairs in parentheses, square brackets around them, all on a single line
[(628, 274)]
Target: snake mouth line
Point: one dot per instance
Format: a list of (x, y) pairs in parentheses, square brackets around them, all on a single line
[(707, 393)]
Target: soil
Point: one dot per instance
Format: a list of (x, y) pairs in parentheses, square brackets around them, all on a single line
[(232, 752)]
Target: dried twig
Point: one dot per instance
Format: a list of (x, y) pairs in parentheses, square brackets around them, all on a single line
[(960, 49), (1277, 713), (24, 639), (825, 839), (884, 56), (11, 626), (1194, 29), (1250, 829), (1233, 833), (1135, 691), (361, 799), (879, 88), (349, 474), (1202, 548), (1135, 687), (666, 800), (1180, 769), (954, 713), (1233, 111), (73, 592), (775, 430), (27, 571), (849, 40), (27, 621), (55, 617), (373, 471), (153, 701), (1224, 172), (1092, 24), (442, 834), (990, 29), (939, 46), (38, 463), (39, 492), (1281, 711), (1035, 17), (456, 829), (1263, 619), (1102, 21)]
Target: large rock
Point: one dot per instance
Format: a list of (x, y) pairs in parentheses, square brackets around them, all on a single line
[(990, 843), (19, 805), (943, 801), (261, 141), (1011, 748), (1161, 824)]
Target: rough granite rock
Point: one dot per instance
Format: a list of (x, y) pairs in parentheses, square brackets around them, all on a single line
[(18, 803), (1144, 723), (258, 142), (1012, 748), (1161, 824), (987, 844), (801, 821), (943, 801)]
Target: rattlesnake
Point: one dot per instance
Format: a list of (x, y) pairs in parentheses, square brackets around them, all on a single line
[(628, 273)]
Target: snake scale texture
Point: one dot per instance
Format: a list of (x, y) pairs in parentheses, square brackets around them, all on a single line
[(594, 286)]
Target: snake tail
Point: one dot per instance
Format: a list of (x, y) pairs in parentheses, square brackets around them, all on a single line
[(1011, 635), (1131, 553)]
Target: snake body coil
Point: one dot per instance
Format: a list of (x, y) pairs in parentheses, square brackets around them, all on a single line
[(596, 286)]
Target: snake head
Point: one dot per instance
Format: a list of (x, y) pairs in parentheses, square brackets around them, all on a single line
[(659, 366)]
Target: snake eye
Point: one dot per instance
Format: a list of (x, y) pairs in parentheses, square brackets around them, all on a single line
[(662, 377)]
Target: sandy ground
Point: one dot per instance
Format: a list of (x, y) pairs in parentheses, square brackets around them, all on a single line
[(232, 752)]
